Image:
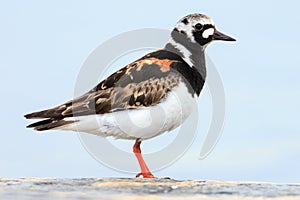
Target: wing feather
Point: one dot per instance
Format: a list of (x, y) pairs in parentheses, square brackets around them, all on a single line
[(143, 83)]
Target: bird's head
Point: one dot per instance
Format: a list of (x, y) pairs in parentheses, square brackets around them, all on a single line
[(200, 29)]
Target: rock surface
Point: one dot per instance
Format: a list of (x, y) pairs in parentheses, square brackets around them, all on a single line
[(136, 189)]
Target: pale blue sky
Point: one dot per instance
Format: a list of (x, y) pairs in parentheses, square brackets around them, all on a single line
[(43, 46)]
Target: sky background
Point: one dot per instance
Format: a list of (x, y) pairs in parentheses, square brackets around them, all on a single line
[(44, 44)]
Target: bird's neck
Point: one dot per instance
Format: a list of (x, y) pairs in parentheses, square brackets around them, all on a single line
[(192, 53)]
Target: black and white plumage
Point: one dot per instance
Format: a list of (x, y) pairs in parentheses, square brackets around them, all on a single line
[(170, 79)]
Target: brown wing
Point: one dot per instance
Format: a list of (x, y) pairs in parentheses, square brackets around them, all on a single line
[(143, 83), (133, 95)]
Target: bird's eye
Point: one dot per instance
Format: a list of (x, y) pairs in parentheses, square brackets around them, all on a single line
[(199, 26)]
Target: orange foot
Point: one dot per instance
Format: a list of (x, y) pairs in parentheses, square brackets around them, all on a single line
[(145, 175)]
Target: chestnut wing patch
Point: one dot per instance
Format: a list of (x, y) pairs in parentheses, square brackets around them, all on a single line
[(138, 71)]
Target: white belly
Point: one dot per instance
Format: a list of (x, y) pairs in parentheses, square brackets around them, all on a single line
[(141, 123)]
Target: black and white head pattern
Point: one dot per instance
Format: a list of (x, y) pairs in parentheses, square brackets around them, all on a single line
[(198, 28)]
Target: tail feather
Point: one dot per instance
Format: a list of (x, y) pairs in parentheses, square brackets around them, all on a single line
[(39, 123), (50, 113), (49, 124), (53, 118)]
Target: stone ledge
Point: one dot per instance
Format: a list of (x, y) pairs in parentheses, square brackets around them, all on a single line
[(135, 189)]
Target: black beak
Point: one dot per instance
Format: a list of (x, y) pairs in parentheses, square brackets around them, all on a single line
[(220, 36)]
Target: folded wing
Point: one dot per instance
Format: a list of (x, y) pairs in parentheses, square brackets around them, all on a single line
[(143, 83)]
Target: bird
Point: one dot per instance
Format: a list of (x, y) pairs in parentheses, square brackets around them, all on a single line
[(161, 85)]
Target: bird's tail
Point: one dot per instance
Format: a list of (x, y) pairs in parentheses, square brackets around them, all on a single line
[(53, 119), (49, 124), (49, 113)]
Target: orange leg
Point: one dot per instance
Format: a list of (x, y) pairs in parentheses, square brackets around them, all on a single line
[(145, 170)]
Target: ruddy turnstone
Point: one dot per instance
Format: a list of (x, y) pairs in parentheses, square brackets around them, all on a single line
[(169, 79)]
